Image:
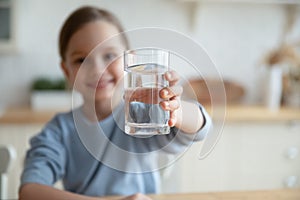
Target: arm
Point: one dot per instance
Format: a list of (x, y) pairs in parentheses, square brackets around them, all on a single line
[(189, 117), (186, 116), (32, 191)]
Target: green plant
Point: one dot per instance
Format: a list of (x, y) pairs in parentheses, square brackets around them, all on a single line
[(48, 84)]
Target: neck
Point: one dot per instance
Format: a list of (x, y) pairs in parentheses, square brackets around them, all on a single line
[(99, 110)]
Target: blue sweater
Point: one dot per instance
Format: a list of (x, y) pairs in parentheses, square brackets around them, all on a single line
[(99, 159)]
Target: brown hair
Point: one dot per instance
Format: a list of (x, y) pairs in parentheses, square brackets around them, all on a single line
[(81, 17)]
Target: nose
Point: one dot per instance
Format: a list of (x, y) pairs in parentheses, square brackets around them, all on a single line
[(95, 66)]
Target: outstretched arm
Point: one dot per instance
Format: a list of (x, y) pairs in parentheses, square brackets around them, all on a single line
[(32, 191), (184, 115)]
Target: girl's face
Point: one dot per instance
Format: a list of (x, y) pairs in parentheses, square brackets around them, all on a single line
[(94, 72)]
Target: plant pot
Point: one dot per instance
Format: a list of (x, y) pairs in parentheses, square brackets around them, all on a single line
[(52, 99)]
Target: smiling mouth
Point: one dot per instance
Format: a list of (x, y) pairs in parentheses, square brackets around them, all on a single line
[(101, 84)]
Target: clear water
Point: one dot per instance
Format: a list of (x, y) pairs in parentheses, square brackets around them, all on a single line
[(143, 114)]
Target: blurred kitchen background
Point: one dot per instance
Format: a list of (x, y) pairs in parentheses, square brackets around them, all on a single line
[(255, 44)]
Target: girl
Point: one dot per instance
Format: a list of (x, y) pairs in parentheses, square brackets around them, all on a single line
[(60, 151)]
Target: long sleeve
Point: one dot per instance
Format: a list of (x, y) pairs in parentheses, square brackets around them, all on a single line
[(46, 158), (177, 140)]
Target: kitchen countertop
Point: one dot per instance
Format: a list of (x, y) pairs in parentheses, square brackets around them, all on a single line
[(238, 113), (284, 194), (26, 115), (232, 113)]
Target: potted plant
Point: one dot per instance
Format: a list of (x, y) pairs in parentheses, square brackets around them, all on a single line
[(49, 94), (283, 64)]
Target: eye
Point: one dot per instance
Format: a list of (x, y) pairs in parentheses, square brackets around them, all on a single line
[(109, 56), (79, 60)]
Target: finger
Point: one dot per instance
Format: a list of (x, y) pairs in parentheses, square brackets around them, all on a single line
[(146, 95), (171, 92), (170, 105), (173, 118), (172, 77)]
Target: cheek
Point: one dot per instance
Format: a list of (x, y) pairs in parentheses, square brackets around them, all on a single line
[(116, 69), (76, 76)]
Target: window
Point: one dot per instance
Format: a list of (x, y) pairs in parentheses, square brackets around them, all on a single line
[(7, 40)]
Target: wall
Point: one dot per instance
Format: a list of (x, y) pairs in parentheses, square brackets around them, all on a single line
[(235, 36)]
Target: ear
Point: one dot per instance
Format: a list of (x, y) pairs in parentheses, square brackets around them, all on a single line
[(66, 73), (65, 70)]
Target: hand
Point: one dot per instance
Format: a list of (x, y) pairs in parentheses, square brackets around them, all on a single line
[(171, 96), (137, 196)]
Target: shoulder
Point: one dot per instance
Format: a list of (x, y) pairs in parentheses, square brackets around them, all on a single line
[(60, 126), (61, 120)]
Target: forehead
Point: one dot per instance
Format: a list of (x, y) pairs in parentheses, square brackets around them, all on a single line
[(92, 34)]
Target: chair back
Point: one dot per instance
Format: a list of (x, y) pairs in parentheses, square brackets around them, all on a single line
[(7, 156)]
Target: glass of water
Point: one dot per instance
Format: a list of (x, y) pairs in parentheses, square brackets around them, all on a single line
[(145, 78)]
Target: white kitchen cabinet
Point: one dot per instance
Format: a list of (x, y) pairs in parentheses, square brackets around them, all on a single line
[(249, 156)]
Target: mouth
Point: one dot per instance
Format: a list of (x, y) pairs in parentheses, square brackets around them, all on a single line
[(101, 84)]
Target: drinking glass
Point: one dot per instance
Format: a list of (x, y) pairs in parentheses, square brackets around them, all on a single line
[(145, 78)]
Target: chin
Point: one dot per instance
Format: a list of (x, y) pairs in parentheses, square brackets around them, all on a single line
[(103, 97)]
